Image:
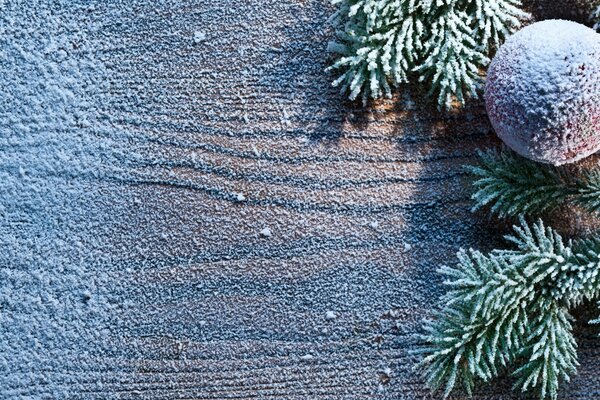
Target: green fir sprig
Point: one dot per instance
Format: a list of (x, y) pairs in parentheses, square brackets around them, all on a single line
[(509, 310), (445, 43), (511, 185)]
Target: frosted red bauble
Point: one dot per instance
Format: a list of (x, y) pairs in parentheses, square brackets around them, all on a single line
[(543, 92)]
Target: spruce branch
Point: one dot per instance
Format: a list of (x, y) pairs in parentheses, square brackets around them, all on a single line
[(510, 308), (446, 43), (452, 56), (496, 20), (378, 43), (581, 276), (476, 333), (512, 185), (551, 355), (588, 191)]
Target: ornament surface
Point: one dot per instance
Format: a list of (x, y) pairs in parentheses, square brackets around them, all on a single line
[(543, 92)]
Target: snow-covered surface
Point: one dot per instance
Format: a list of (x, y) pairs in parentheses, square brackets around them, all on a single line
[(144, 146), (57, 210), (543, 92)]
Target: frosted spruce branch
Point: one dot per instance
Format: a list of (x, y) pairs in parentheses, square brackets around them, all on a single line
[(512, 185), (378, 44), (509, 309), (445, 43)]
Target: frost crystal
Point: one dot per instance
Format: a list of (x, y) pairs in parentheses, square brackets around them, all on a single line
[(266, 232), (199, 37)]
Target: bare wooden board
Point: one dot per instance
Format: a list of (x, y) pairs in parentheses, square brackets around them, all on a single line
[(191, 210)]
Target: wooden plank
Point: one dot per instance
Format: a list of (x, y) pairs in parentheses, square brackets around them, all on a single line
[(237, 229)]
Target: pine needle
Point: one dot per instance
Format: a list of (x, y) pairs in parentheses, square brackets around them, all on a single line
[(511, 185), (510, 308), (383, 43)]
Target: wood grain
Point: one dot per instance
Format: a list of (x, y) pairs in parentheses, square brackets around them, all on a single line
[(240, 132)]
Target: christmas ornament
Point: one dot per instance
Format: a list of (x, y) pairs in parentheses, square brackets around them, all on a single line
[(543, 92)]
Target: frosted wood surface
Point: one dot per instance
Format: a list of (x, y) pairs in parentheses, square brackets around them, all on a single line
[(189, 210)]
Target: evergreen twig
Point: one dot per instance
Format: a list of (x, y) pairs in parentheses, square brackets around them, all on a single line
[(512, 185), (511, 308), (446, 43)]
